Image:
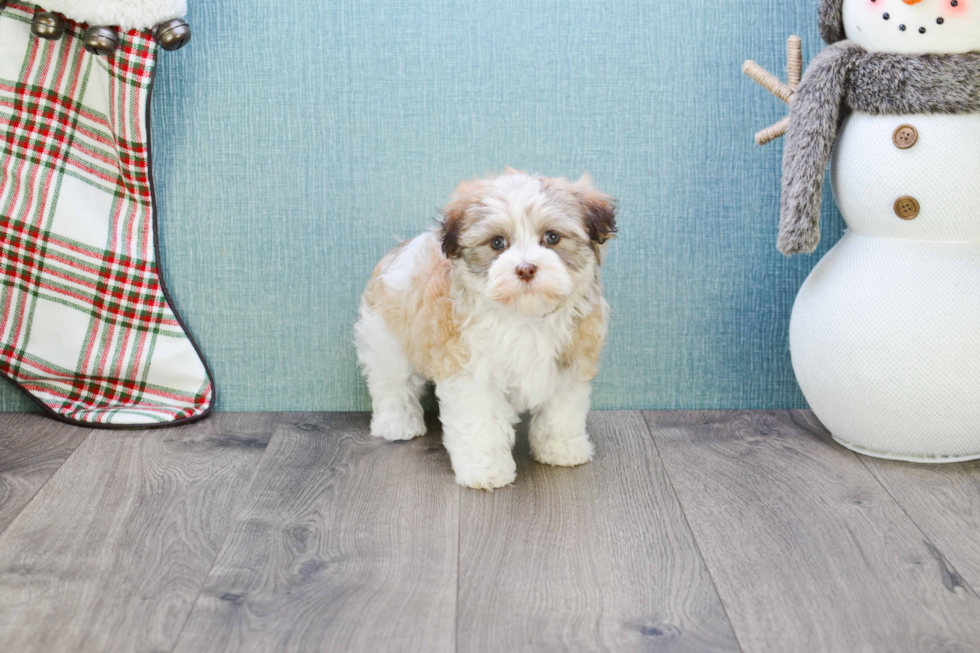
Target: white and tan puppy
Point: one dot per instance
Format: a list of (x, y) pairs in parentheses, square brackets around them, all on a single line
[(502, 308)]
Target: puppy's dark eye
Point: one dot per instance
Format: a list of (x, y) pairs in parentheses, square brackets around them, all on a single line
[(498, 243), (552, 238)]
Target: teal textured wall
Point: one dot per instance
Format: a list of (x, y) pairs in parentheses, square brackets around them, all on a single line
[(295, 141)]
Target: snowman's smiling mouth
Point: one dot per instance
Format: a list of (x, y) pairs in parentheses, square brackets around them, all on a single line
[(903, 27)]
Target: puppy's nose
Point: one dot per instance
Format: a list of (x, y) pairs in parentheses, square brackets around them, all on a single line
[(525, 271)]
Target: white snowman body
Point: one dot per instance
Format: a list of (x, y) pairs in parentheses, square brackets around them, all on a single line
[(885, 332)]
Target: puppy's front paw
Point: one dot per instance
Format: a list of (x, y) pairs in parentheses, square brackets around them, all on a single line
[(397, 425), (563, 452), (486, 473)]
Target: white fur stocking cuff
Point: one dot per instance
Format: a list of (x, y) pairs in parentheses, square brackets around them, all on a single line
[(127, 14)]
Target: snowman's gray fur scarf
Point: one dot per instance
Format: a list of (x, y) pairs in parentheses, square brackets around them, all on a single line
[(845, 77)]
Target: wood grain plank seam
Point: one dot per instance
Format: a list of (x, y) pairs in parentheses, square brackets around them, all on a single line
[(46, 481), (224, 540), (459, 538), (694, 537), (943, 559)]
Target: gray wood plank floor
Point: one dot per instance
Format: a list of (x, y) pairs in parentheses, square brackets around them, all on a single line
[(347, 543), (808, 550), (110, 554), (596, 558), (32, 448), (944, 501), (701, 531)]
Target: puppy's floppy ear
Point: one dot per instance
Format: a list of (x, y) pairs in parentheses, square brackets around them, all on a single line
[(450, 228), (454, 217), (599, 210)]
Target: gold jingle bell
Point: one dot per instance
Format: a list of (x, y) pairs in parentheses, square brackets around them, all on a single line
[(48, 25), (100, 40), (173, 34)]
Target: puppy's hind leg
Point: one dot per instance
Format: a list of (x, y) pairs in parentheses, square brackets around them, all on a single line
[(394, 386)]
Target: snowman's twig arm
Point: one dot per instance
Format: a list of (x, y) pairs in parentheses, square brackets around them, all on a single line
[(768, 81), (794, 61), (772, 132), (814, 120)]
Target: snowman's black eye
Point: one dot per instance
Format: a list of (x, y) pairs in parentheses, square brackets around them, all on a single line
[(887, 16), (955, 3), (940, 21), (901, 27), (922, 30)]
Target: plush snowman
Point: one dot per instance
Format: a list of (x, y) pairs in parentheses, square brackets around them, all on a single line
[(885, 332)]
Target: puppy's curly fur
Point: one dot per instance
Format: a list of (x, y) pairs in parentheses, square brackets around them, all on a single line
[(502, 308)]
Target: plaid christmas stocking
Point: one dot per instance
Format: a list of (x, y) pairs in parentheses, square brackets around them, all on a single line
[(86, 325)]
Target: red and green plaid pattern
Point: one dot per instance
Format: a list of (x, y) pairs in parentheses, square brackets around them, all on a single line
[(85, 325)]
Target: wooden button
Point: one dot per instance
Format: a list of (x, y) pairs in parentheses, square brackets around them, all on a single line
[(907, 208), (905, 137)]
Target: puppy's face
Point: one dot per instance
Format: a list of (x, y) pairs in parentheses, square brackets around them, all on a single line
[(527, 242)]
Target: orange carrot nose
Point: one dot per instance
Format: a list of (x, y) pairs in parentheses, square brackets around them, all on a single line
[(911, 2)]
